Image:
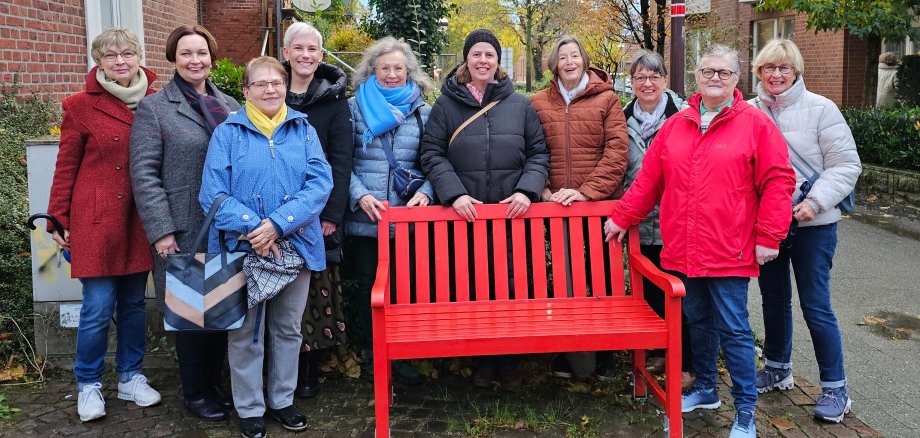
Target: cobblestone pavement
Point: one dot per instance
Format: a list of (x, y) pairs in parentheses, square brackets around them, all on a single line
[(448, 406)]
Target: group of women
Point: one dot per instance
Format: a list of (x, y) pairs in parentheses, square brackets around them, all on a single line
[(300, 165)]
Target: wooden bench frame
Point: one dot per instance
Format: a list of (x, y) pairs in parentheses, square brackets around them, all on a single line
[(425, 323)]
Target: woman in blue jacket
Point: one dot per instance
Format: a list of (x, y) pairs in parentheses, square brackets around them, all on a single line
[(267, 159), (388, 109)]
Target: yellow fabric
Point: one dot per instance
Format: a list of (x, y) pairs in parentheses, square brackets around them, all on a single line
[(265, 125)]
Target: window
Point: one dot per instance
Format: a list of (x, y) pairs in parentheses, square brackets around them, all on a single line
[(902, 47), (105, 14), (766, 30), (696, 40)]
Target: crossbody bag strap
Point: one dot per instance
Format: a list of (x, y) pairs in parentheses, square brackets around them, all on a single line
[(471, 119), (812, 174)]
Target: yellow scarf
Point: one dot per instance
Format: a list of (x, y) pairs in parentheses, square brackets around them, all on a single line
[(263, 123)]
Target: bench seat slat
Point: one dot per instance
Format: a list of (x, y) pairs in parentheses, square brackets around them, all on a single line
[(533, 343)]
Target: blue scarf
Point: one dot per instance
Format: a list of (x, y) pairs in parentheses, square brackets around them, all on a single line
[(384, 108)]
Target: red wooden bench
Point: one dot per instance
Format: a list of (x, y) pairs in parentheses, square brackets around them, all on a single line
[(437, 310)]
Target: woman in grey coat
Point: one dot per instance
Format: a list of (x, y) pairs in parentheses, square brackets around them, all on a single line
[(820, 145), (169, 141), (389, 81)]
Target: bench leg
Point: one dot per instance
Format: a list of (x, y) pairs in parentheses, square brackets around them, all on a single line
[(639, 386), (383, 396), (672, 392)]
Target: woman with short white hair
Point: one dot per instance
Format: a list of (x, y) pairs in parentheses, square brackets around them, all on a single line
[(827, 166)]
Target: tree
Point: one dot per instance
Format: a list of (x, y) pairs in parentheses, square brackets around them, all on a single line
[(418, 22), (480, 14), (594, 30), (870, 20), (538, 22), (636, 22)]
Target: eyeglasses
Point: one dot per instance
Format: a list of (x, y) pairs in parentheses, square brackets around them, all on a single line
[(641, 79), (708, 73), (386, 69), (262, 85), (783, 68), (127, 55)]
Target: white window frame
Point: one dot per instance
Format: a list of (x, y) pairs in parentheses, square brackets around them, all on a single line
[(94, 26), (779, 30)]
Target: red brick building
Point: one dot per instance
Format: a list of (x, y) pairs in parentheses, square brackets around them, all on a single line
[(834, 62), (47, 42)]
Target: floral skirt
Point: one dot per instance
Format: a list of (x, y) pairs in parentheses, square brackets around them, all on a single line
[(324, 319)]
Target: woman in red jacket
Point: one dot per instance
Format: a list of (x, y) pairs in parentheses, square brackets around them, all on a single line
[(91, 196), (721, 171), (588, 146)]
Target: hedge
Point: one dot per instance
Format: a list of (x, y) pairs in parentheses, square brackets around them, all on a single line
[(889, 137), (907, 82), (20, 119)]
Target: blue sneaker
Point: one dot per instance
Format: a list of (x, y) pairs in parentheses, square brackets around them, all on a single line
[(833, 404), (769, 378), (744, 425), (699, 398)]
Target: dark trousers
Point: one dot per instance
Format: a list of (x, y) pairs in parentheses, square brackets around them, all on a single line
[(201, 361), (655, 298)]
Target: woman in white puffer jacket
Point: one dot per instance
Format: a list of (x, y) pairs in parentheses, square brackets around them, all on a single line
[(818, 135)]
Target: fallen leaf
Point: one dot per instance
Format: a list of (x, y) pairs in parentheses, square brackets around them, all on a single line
[(521, 425), (12, 373), (875, 320), (585, 420), (782, 423)]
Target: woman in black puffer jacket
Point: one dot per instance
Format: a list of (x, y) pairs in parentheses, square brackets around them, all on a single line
[(499, 157)]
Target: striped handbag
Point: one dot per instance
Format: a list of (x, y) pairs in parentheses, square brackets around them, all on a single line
[(204, 291)]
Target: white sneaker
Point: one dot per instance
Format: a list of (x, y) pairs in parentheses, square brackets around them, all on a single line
[(90, 404), (139, 391)]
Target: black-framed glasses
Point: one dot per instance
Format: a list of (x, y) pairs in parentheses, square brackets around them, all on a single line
[(783, 68), (708, 73)]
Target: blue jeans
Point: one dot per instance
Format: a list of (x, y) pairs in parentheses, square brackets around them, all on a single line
[(811, 256), (103, 296), (716, 310)]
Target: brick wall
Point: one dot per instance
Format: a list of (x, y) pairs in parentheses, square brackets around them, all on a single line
[(45, 42), (236, 25), (834, 62)]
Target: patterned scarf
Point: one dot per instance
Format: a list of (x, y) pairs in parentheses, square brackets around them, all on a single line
[(384, 108), (210, 107), (650, 120)]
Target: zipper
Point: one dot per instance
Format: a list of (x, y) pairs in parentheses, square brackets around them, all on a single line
[(568, 151), (271, 146), (488, 156)]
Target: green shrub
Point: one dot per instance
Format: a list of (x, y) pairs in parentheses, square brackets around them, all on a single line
[(228, 78), (907, 83), (26, 117), (888, 137)]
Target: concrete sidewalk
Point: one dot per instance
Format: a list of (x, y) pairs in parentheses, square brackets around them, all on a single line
[(876, 273)]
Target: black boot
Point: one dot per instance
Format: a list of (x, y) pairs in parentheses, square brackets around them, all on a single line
[(307, 379)]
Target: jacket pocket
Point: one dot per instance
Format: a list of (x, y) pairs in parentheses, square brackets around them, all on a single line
[(470, 185), (99, 205), (179, 200), (509, 183)]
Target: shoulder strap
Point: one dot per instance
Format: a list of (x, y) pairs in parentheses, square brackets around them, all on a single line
[(812, 174), (421, 126), (208, 219), (388, 150), (471, 119)]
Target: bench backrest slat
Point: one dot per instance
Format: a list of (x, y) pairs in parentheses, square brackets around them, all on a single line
[(551, 252), (461, 261), (422, 285), (480, 255), (538, 249), (519, 246), (442, 261), (401, 257), (557, 243)]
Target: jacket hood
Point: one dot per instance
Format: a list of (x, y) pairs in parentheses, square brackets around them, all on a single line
[(332, 82), (598, 82), (784, 99), (457, 91), (675, 103), (92, 85)]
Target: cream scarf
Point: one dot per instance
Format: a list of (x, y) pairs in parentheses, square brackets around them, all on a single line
[(263, 123), (130, 95)]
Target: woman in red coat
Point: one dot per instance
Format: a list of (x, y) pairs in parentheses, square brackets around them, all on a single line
[(91, 196)]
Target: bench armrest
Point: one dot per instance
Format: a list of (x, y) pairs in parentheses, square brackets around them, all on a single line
[(666, 282), (380, 284)]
